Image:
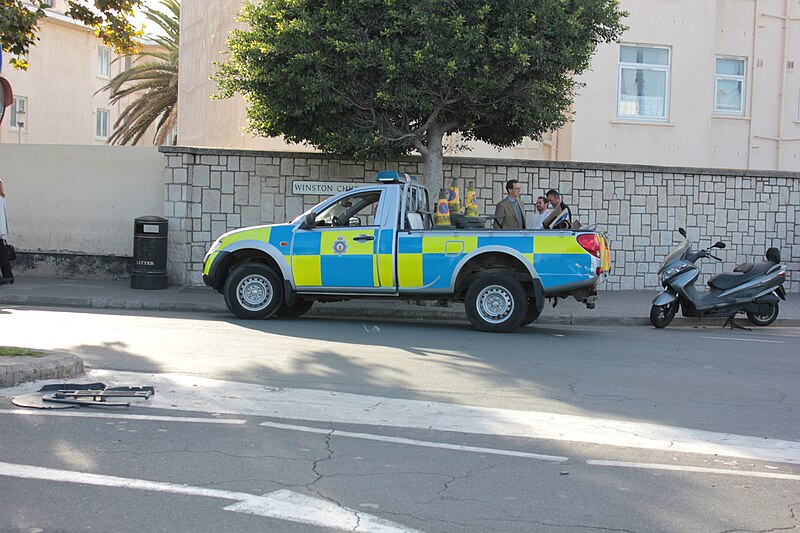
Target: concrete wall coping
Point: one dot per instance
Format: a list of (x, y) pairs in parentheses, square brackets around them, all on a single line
[(481, 161)]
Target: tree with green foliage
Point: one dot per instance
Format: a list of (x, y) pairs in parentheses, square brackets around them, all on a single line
[(149, 89), (19, 23), (376, 79)]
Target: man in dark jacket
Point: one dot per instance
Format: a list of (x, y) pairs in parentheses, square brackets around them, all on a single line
[(560, 216)]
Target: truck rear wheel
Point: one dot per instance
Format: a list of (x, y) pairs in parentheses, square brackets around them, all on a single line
[(496, 303), (253, 290)]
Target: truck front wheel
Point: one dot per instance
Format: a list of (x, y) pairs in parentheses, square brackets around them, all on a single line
[(253, 290), (496, 303), (534, 310)]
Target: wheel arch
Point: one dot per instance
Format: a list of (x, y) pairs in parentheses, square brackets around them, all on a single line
[(248, 252), (499, 260)]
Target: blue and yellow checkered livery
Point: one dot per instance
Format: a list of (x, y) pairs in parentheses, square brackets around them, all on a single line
[(430, 260), (335, 257), (363, 259)]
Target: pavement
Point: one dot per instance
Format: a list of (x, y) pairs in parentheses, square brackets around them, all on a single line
[(614, 308)]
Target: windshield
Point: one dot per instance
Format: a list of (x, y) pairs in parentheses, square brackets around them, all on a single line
[(675, 254)]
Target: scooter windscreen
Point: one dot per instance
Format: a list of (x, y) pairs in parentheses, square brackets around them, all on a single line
[(675, 254)]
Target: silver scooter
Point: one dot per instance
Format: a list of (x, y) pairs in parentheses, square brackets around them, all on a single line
[(752, 288)]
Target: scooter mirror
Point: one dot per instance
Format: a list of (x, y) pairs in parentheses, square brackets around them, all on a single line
[(682, 231), (719, 244)]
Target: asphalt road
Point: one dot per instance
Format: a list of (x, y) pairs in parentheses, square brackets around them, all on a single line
[(316, 425)]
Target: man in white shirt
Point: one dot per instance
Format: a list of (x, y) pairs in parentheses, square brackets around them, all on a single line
[(539, 215)]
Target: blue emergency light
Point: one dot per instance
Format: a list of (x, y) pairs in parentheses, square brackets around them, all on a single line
[(394, 176)]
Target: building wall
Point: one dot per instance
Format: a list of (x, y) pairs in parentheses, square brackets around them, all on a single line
[(209, 192), (767, 136), (61, 85), (79, 200), (766, 33)]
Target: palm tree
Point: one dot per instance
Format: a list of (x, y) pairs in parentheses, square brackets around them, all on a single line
[(152, 83)]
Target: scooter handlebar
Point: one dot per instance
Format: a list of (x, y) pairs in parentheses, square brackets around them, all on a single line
[(714, 257)]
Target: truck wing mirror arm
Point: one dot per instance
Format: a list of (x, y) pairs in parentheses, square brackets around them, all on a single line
[(309, 221)]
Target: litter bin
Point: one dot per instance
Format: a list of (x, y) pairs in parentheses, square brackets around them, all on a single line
[(149, 269)]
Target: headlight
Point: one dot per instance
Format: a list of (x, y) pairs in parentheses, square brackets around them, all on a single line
[(214, 247), (672, 272)]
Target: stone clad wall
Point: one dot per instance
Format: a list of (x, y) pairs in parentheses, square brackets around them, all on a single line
[(209, 192)]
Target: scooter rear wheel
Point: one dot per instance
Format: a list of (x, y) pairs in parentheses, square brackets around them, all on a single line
[(662, 315), (764, 320)]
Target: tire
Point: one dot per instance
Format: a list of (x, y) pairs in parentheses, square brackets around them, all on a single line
[(763, 320), (253, 290), (300, 308), (662, 315), (533, 312), (496, 303)]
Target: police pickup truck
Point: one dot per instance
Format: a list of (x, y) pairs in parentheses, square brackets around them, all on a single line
[(377, 241)]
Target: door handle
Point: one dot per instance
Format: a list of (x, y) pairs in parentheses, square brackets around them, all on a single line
[(364, 238)]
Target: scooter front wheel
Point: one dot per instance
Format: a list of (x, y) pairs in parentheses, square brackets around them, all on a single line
[(662, 315), (765, 319)]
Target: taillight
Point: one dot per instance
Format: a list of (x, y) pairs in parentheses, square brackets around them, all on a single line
[(590, 242)]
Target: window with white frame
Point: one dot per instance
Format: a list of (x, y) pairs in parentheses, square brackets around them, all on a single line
[(101, 124), (729, 85), (103, 61), (643, 91), (18, 119)]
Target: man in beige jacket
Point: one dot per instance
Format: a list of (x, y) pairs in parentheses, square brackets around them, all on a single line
[(510, 211)]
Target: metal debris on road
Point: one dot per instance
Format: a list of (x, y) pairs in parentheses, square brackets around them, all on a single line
[(66, 395)]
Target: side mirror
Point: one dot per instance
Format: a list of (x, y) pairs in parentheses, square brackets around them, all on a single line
[(309, 221), (682, 231), (354, 222), (718, 244)]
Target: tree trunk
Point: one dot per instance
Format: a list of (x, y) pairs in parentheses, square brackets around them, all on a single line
[(434, 174)]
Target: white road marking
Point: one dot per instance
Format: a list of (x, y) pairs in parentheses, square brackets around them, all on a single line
[(737, 339), (414, 442), (197, 394), (121, 416), (281, 504), (701, 469)]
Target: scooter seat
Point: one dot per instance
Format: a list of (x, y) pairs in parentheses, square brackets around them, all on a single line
[(724, 282)]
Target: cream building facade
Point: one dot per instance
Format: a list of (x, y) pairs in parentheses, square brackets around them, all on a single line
[(56, 99), (702, 83)]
